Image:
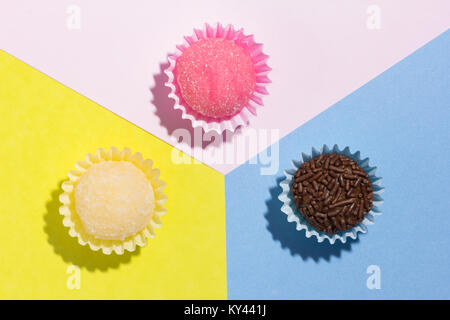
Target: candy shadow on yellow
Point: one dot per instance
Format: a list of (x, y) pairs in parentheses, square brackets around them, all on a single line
[(69, 248)]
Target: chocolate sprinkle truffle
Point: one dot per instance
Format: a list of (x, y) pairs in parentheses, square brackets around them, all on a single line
[(332, 192)]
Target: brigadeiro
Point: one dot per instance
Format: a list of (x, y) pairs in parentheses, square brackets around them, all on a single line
[(218, 77), (332, 194)]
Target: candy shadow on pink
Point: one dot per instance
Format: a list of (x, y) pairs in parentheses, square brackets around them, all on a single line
[(296, 241), (170, 118), (69, 248)]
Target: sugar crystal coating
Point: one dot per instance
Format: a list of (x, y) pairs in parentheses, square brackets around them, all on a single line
[(216, 77), (114, 200)]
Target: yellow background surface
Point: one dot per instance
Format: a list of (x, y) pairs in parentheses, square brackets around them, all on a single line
[(44, 129)]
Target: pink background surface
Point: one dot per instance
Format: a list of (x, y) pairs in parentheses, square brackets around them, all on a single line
[(320, 51)]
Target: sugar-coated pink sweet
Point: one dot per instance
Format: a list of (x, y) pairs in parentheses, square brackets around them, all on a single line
[(216, 77)]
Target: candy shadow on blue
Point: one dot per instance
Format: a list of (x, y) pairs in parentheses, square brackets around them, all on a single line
[(298, 244)]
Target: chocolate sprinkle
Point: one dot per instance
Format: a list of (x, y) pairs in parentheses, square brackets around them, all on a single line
[(332, 192)]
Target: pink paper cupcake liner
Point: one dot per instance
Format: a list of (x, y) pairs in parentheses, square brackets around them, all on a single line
[(261, 69)]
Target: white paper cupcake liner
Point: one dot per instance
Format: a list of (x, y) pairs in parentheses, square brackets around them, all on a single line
[(290, 209), (73, 221), (261, 69)]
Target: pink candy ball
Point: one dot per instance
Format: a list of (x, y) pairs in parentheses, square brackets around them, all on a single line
[(216, 77)]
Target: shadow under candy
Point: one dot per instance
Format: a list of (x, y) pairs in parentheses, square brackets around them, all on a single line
[(69, 248), (172, 120), (286, 233)]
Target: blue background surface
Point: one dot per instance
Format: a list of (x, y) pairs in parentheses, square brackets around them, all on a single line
[(400, 120)]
